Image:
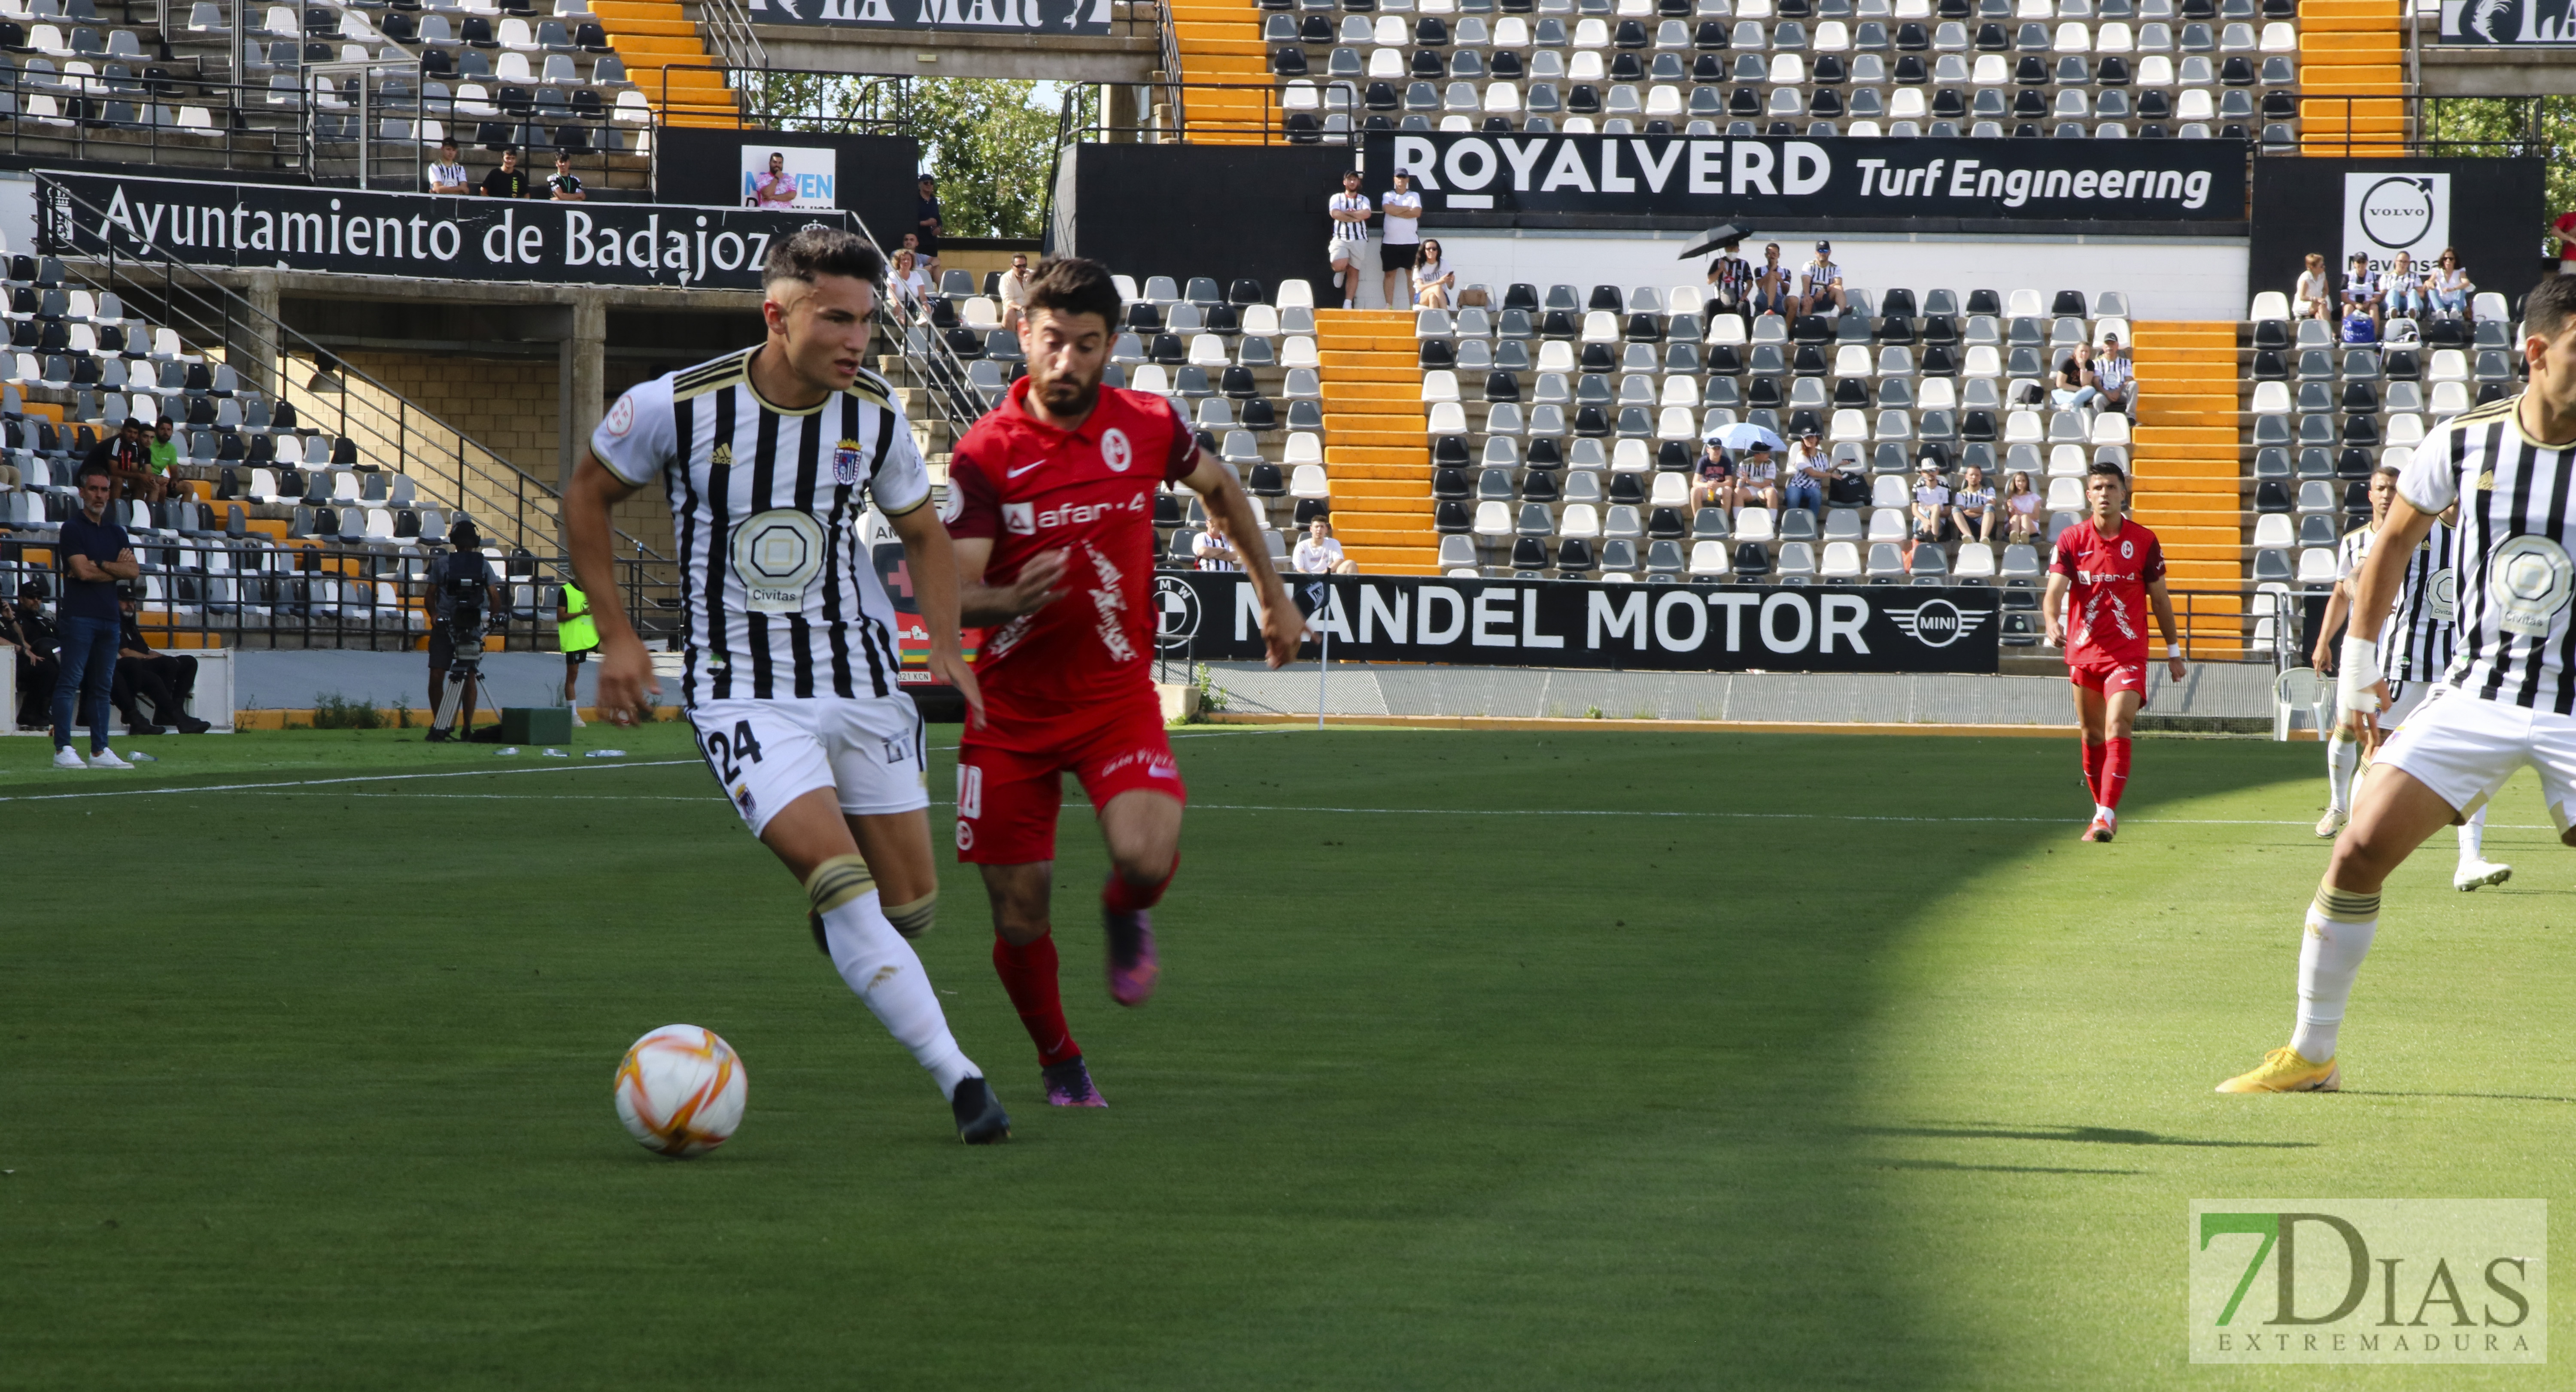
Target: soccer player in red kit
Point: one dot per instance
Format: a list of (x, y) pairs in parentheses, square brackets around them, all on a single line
[(2106, 573), (1051, 502)]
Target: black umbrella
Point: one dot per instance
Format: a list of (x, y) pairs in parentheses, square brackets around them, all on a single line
[(1717, 237)]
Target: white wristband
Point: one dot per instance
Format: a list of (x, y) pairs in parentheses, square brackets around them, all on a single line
[(2357, 681)]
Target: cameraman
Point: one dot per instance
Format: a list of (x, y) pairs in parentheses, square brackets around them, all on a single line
[(453, 574)]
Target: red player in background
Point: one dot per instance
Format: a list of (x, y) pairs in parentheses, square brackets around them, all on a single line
[(2111, 569), (1051, 502)]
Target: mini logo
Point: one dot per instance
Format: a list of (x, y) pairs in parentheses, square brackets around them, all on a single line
[(2396, 211), (1176, 612), (722, 458), (621, 417), (1936, 623), (845, 463), (1020, 518), (1115, 451)]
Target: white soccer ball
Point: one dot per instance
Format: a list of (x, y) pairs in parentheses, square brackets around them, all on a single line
[(680, 1090)]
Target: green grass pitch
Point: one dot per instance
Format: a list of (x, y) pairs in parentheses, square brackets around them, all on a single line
[(1859, 1072)]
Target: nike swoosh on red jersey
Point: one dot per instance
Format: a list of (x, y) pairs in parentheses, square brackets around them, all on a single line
[(1015, 473)]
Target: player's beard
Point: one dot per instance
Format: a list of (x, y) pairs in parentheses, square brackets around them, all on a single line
[(1066, 396)]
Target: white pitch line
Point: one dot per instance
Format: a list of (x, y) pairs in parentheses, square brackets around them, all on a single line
[(565, 767)]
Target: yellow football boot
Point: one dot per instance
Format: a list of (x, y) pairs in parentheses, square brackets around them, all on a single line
[(2284, 1070)]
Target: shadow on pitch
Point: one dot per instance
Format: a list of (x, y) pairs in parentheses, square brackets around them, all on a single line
[(1997, 1169), (2085, 1135), (2464, 1096)]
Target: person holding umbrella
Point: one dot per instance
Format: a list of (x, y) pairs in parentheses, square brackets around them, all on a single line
[(1730, 276), (1747, 441)]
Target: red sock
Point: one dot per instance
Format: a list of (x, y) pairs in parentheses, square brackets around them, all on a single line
[(1028, 973), (2115, 772), (1119, 896), (2093, 769)]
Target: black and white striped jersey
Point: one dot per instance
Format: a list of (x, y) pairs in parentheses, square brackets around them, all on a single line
[(2514, 642), (781, 594), (2415, 643)]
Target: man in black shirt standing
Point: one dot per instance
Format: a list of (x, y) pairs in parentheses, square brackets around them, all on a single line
[(508, 181), (95, 555), (926, 227)]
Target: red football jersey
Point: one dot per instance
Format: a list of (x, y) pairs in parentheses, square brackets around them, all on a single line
[(1089, 493), (2106, 609)]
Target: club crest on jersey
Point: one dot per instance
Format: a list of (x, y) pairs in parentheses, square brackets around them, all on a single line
[(2128, 551), (1020, 518), (621, 417), (1115, 451), (845, 463)]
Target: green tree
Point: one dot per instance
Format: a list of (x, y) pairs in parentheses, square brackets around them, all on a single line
[(992, 144), (2493, 127)]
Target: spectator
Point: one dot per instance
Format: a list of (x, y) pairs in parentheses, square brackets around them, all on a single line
[(1015, 290), (1352, 255), (2111, 373), (162, 453), (167, 680), (911, 283), (1810, 472), (565, 186), (1771, 285), (1931, 502), (1214, 550), (95, 555), (1714, 485), (448, 175), (128, 461), (2021, 510), (2075, 387), (508, 180), (26, 629), (1972, 507), (777, 188), (2450, 286), (2314, 298), (1730, 282), (929, 225), (1318, 554), (1757, 478), (2406, 298), (1433, 281), (462, 558), (2361, 296), (577, 634), (1402, 208), (2563, 227), (1821, 282)]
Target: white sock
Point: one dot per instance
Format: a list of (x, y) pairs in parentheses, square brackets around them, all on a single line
[(2473, 836), (2340, 927), (883, 969), (2342, 756)]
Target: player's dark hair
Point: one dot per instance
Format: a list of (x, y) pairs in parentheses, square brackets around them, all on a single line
[(2390, 470), (1071, 285), (2546, 311), (2103, 468), (820, 251)]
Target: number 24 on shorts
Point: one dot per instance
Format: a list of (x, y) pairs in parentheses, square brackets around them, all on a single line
[(725, 756)]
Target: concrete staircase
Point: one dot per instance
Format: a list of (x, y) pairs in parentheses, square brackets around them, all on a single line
[(651, 36), (1375, 450), (2188, 473)]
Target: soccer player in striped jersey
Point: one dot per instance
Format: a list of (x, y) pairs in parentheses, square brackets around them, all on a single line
[(2508, 698), (2105, 574), (770, 457), (2414, 648)]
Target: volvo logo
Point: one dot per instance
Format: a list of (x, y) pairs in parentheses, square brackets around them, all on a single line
[(2397, 211)]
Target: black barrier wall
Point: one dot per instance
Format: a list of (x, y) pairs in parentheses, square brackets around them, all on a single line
[(1215, 616), (2490, 209), (1226, 211), (1024, 18), (871, 175), (424, 236)]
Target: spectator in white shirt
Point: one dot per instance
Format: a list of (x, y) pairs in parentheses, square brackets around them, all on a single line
[(2111, 373), (1318, 554), (1354, 256), (1730, 281), (2406, 298), (1432, 279), (2022, 520), (2314, 298), (2361, 292), (2450, 285), (1757, 478), (1931, 502), (911, 283), (448, 174), (1015, 290), (1972, 507), (1809, 471), (1402, 208), (1821, 283), (1214, 550)]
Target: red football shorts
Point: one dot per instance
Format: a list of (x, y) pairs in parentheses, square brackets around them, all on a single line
[(2108, 676), (1007, 799)]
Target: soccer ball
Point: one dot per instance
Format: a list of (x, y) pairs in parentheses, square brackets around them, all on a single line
[(680, 1090)]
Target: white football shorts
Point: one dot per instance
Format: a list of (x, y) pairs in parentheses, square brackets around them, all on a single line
[(2464, 749), (2406, 698), (767, 754)]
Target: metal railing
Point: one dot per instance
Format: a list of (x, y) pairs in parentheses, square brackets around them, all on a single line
[(1173, 84), (377, 425), (730, 35)]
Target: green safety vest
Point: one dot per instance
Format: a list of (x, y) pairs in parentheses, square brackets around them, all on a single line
[(577, 632)]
